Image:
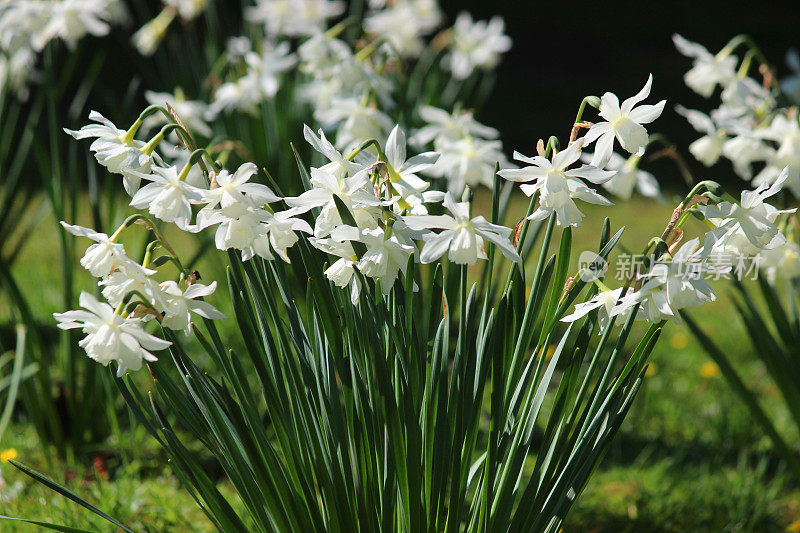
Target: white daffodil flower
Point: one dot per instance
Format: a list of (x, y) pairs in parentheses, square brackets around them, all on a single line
[(385, 257), (234, 189), (604, 301), (558, 186), (339, 166), (280, 234), (355, 121), (130, 276), (109, 337), (624, 122), (708, 148), (476, 44), (628, 177), (239, 226), (116, 150), (781, 263), (463, 238), (468, 161), (168, 197), (256, 231), (443, 126), (102, 258), (677, 283), (194, 113), (260, 82), (178, 305), (342, 271), (785, 131), (403, 171), (293, 18), (752, 216), (355, 192), (708, 70)]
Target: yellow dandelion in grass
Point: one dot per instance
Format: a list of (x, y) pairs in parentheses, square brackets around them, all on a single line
[(5, 455), (794, 527), (709, 370), (679, 340)]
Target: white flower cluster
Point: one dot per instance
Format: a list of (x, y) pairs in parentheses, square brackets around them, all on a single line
[(26, 26), (559, 186), (675, 281), (748, 128), (385, 224), (147, 38), (760, 138), (114, 334), (469, 150), (353, 92), (388, 203)]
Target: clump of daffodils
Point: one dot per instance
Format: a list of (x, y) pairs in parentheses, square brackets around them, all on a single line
[(371, 213), (672, 278), (354, 90), (756, 127), (27, 26)]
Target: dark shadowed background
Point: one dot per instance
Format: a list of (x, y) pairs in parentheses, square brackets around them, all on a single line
[(564, 51)]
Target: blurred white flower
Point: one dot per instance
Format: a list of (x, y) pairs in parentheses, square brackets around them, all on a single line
[(743, 150), (790, 85), (442, 126), (355, 121), (753, 217), (109, 337), (708, 70), (193, 113), (293, 18), (468, 161), (785, 130), (188, 9), (260, 82), (781, 263), (628, 177), (476, 44), (403, 24), (708, 148)]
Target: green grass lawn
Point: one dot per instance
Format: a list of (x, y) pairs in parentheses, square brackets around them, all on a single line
[(689, 457)]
